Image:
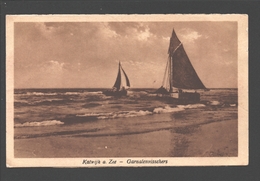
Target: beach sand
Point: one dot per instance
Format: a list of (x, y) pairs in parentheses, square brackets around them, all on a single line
[(211, 139)]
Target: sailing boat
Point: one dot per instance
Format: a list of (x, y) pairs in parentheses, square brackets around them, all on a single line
[(120, 86), (180, 77)]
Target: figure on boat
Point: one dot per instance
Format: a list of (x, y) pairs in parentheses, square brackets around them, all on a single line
[(121, 85), (180, 80)]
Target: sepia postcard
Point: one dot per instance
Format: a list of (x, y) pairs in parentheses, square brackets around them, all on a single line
[(126, 90)]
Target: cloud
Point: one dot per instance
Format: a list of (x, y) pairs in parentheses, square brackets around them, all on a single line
[(107, 32), (144, 35), (45, 31), (189, 35), (131, 31), (52, 67), (56, 65), (225, 50), (166, 38), (193, 36)]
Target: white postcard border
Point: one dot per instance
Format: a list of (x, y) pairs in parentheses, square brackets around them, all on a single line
[(242, 158)]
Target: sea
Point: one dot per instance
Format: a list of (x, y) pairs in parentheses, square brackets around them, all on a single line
[(88, 112)]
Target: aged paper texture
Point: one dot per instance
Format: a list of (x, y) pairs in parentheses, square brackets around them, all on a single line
[(126, 90)]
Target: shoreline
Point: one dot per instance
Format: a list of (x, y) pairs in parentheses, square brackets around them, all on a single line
[(214, 139)]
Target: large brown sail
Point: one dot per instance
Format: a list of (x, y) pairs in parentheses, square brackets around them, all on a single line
[(183, 75)]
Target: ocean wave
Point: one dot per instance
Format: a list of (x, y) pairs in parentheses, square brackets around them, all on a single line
[(42, 123), (167, 109), (37, 102), (57, 93), (127, 114), (232, 105), (41, 93), (91, 104), (141, 94), (81, 93), (93, 93), (214, 103), (91, 114), (48, 101), (121, 114), (191, 106), (222, 104), (71, 93), (152, 95), (21, 101)]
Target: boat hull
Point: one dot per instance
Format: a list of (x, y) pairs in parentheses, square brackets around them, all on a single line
[(189, 97), (115, 93), (181, 98)]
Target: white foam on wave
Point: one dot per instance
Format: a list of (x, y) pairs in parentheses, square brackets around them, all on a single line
[(59, 93), (40, 94), (191, 106), (127, 114), (130, 92), (136, 94), (44, 101), (93, 93), (72, 93), (91, 114), (167, 109), (214, 103), (42, 123), (49, 100), (222, 104), (122, 114), (20, 101)]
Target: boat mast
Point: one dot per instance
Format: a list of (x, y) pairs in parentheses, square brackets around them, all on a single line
[(120, 75), (170, 73), (165, 77)]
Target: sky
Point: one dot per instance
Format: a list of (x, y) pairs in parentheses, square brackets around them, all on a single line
[(86, 54)]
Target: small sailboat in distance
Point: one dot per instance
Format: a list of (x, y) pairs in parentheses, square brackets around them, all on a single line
[(180, 77), (121, 85)]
